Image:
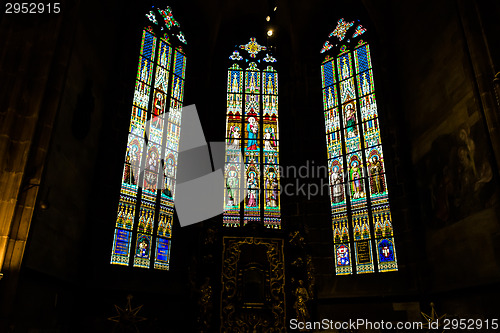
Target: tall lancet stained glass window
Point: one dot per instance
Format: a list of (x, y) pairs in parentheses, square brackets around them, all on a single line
[(361, 216), (143, 227), (252, 190)]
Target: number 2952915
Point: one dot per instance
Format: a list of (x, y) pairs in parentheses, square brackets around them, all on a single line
[(32, 8)]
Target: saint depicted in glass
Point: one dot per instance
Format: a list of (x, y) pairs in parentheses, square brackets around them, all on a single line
[(361, 217), (252, 190), (143, 227)]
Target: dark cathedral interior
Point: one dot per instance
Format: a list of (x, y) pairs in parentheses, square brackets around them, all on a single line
[(67, 90)]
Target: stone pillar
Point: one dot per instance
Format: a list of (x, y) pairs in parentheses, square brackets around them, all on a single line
[(34, 55)]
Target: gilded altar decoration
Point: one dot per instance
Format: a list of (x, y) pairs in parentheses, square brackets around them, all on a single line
[(205, 303), (300, 306)]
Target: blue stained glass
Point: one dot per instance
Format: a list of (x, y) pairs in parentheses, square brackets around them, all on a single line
[(386, 250), (149, 45), (179, 64), (122, 242), (362, 59), (252, 82), (163, 250), (235, 85), (328, 71), (270, 83)]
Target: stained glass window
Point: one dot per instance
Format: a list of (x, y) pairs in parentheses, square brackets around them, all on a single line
[(361, 216), (252, 190), (143, 228)]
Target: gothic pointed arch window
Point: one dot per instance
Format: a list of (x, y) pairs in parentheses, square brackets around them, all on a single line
[(361, 216), (252, 192), (143, 226)]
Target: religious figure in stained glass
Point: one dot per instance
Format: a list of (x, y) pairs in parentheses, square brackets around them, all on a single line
[(235, 137), (357, 190), (272, 186), (360, 205), (343, 255), (252, 186), (378, 185), (350, 120), (269, 139), (337, 188), (252, 139), (150, 163), (252, 129)]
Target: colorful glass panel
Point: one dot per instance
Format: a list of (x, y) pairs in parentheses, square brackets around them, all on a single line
[(362, 58), (342, 251), (329, 97), (328, 73), (332, 120), (148, 45), (141, 95), (361, 218), (365, 83), (145, 70), (359, 31), (344, 66), (341, 29), (151, 157), (252, 192), (121, 247), (165, 52), (368, 106)]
